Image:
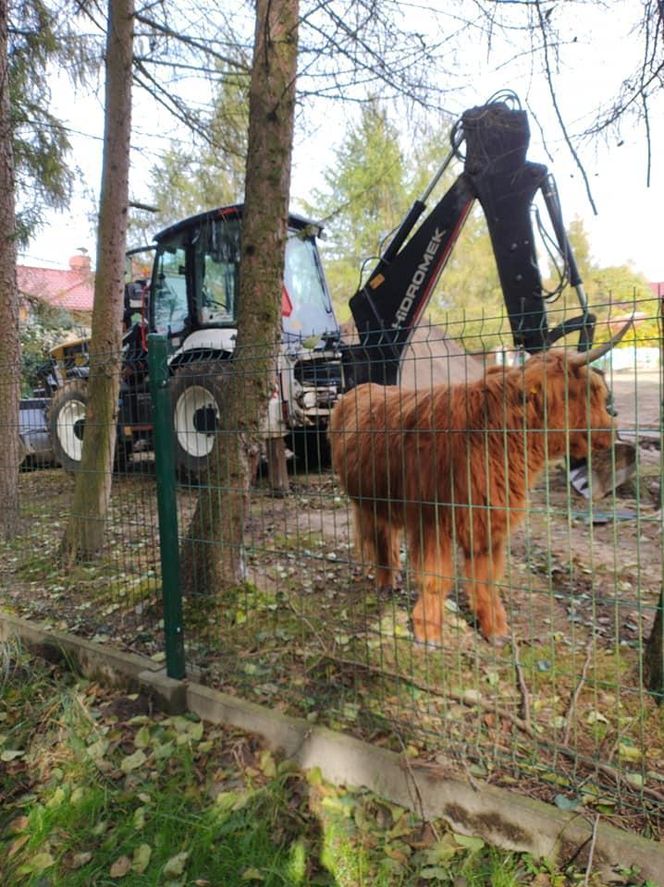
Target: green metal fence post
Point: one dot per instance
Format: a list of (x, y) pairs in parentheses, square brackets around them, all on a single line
[(166, 505)]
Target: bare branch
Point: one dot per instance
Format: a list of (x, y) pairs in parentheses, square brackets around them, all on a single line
[(543, 24), (191, 42)]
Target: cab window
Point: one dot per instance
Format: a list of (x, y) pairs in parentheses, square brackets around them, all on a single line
[(217, 272), (169, 292)]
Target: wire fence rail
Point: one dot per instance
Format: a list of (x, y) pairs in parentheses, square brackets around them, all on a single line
[(466, 567)]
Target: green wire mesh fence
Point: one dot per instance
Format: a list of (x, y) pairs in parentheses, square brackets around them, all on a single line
[(474, 581), (304, 618), (113, 596)]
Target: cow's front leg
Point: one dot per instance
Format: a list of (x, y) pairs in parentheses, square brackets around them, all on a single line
[(483, 570), (432, 558)]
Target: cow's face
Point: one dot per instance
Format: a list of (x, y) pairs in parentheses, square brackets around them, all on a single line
[(569, 402), (591, 425)]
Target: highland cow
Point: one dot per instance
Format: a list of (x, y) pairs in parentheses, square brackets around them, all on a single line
[(452, 466)]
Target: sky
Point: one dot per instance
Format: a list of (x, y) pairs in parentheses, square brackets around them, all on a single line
[(627, 226)]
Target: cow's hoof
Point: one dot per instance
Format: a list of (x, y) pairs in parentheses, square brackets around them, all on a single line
[(429, 644), (408, 594), (429, 640), (397, 593)]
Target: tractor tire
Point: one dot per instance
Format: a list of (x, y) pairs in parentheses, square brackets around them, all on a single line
[(197, 392), (66, 423)]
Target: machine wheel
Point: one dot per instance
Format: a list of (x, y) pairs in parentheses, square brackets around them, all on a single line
[(66, 423), (196, 395)]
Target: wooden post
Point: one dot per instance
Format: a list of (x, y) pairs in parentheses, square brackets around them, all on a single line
[(653, 654), (277, 466)]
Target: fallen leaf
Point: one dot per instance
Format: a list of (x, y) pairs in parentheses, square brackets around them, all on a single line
[(78, 860), (17, 844), (469, 842), (562, 802), (120, 867), (142, 737), (133, 762), (195, 730), (398, 854), (56, 798), (629, 752), (267, 764), (175, 865), (40, 862), (635, 779), (77, 795), (163, 751), (97, 750), (227, 800), (10, 754), (434, 873), (141, 860)]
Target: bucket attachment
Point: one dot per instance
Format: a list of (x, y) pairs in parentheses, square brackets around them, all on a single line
[(610, 469)]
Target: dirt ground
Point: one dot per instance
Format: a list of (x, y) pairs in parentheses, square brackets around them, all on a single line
[(638, 399)]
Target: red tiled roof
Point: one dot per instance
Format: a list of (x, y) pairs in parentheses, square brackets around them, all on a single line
[(72, 290)]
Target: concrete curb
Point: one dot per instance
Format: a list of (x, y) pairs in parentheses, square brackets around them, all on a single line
[(501, 817)]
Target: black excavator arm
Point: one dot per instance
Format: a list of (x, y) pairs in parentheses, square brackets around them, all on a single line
[(497, 174)]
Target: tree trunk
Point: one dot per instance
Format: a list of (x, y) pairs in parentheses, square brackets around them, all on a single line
[(654, 654), (85, 532), (277, 466), (10, 349), (213, 552)]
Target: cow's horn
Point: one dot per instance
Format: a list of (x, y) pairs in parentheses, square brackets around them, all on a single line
[(580, 358)]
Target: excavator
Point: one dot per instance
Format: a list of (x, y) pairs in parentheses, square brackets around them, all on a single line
[(497, 174), (191, 298)]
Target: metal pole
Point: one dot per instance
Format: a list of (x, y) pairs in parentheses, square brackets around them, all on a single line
[(166, 505), (660, 330)]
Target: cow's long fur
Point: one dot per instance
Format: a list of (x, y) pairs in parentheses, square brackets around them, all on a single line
[(453, 465)]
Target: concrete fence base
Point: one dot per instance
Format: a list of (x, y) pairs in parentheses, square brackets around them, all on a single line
[(501, 817)]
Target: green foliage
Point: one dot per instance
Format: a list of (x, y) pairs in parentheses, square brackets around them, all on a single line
[(41, 35), (46, 327), (468, 298), (613, 292), (363, 199), (188, 181)]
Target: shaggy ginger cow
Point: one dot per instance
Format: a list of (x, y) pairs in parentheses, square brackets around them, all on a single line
[(453, 466)]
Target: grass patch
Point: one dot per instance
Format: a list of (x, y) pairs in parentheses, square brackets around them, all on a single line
[(308, 635), (100, 790)]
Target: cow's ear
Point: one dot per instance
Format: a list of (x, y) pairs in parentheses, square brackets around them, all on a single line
[(534, 390), (536, 394)]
